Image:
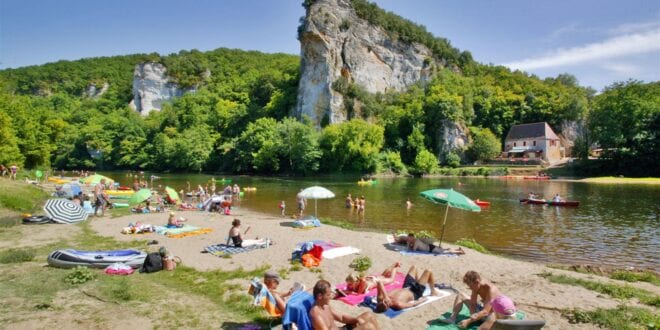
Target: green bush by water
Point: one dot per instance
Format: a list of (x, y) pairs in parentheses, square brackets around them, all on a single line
[(623, 317)]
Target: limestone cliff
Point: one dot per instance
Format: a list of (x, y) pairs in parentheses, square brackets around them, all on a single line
[(336, 43), (152, 87)]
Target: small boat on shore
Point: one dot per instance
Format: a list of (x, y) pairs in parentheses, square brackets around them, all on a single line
[(69, 258), (536, 177), (549, 202), (367, 182), (482, 203)]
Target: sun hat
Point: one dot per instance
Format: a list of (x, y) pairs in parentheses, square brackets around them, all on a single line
[(271, 275)]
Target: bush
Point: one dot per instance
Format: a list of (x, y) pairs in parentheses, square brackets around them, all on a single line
[(79, 275), (425, 162), (361, 264), (12, 256), (452, 160)]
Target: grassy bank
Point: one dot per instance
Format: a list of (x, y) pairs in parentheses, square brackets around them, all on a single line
[(16, 198)]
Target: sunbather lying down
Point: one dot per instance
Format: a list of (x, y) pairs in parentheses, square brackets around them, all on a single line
[(362, 284), (415, 244), (410, 295)]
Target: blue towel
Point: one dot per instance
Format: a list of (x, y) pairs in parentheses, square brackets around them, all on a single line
[(220, 249), (370, 302), (297, 311), (410, 253)]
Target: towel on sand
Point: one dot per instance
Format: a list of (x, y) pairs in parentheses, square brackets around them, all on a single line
[(370, 301), (248, 245), (353, 298), (462, 315), (331, 249), (185, 231), (403, 249)]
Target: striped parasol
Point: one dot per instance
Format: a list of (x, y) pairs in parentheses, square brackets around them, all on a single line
[(64, 211)]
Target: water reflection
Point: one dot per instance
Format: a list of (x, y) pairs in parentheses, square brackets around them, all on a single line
[(615, 224)]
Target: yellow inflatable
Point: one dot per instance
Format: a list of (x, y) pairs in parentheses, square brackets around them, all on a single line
[(120, 192), (250, 189)]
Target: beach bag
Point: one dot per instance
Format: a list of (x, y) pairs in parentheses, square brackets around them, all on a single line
[(152, 263), (170, 263)]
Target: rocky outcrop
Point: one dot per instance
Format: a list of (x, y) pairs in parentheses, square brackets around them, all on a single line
[(570, 132), (336, 43), (452, 137), (95, 92), (151, 88)]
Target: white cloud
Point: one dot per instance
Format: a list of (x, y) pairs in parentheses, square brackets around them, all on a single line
[(629, 28), (621, 68), (616, 47)]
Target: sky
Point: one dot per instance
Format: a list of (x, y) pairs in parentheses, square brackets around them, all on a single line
[(598, 41)]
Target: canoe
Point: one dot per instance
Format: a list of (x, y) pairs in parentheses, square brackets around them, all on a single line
[(120, 192), (362, 182), (124, 188), (564, 203), (533, 201), (250, 189), (69, 258), (551, 203), (536, 177), (482, 203)]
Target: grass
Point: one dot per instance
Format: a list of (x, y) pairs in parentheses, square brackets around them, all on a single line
[(623, 317), (613, 290), (472, 244), (339, 223), (16, 256), (630, 276), (20, 197)]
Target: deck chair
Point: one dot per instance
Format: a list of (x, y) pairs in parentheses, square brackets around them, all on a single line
[(263, 298), (518, 324)]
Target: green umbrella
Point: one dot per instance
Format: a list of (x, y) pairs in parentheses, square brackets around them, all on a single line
[(140, 196), (173, 195), (451, 198), (38, 173), (96, 178)]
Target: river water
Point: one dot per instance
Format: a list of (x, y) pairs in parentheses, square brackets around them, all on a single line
[(615, 225)]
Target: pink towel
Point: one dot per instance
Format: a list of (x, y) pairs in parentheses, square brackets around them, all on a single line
[(354, 299)]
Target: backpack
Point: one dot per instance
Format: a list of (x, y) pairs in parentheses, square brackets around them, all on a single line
[(152, 263)]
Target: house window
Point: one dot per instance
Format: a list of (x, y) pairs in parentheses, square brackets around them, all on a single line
[(552, 142), (534, 143), (514, 144), (524, 143)]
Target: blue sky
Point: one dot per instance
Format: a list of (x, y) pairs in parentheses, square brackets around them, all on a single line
[(599, 42)]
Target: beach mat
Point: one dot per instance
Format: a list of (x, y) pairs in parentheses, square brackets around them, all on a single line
[(403, 250), (185, 231), (370, 301), (463, 315), (223, 249), (353, 298)]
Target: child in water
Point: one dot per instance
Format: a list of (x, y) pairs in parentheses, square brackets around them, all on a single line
[(282, 207)]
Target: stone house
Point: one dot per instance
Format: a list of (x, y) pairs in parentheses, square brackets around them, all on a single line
[(535, 141)]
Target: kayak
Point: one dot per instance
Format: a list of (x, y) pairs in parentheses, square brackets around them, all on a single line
[(551, 203), (482, 203), (249, 188), (120, 192), (69, 258), (124, 188), (536, 177), (362, 182)]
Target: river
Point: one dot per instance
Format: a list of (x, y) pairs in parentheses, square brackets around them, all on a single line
[(615, 225)]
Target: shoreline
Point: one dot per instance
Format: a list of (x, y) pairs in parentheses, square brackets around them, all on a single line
[(518, 279)]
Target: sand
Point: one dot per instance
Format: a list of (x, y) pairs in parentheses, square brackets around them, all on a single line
[(539, 298)]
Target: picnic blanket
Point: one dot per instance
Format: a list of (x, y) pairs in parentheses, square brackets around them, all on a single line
[(462, 315), (403, 250), (179, 232), (223, 249), (370, 301), (353, 298), (331, 250)]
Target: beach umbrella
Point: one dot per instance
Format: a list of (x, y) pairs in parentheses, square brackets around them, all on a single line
[(139, 196), (96, 178), (173, 195), (450, 198), (64, 211), (71, 189), (316, 193), (38, 174)]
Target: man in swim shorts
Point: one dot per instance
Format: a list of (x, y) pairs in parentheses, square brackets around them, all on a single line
[(415, 244), (495, 304), (410, 295)]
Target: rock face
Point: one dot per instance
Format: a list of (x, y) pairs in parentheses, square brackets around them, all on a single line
[(94, 92), (452, 137), (336, 43), (151, 87)]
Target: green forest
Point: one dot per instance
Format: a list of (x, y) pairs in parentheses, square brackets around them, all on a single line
[(240, 117)]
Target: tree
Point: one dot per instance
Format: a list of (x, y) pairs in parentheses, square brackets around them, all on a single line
[(485, 145), (426, 162), (353, 145), (299, 147)]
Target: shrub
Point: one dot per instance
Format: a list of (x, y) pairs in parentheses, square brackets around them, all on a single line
[(361, 264), (79, 275), (452, 160)]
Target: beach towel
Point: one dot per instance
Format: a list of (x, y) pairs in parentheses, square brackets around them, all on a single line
[(222, 249), (263, 298), (370, 301), (462, 315), (353, 298), (179, 232), (297, 311), (403, 250), (331, 250)]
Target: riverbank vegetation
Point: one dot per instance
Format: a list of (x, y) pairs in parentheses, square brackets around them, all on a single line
[(239, 115)]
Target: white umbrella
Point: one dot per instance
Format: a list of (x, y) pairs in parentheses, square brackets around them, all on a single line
[(64, 211), (316, 193)]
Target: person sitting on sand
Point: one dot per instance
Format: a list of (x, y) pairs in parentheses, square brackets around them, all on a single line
[(415, 244), (173, 222), (495, 304), (235, 233), (272, 281), (363, 284), (410, 295), (323, 316)]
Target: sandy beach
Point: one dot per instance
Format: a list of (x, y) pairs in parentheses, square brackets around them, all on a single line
[(533, 294)]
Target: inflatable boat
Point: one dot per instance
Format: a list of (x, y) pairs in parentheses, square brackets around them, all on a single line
[(69, 258)]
